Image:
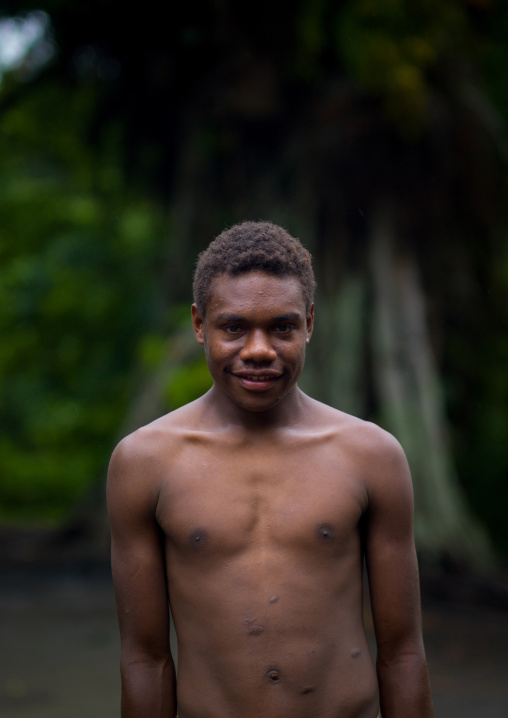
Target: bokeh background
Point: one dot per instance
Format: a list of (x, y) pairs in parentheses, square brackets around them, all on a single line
[(374, 130)]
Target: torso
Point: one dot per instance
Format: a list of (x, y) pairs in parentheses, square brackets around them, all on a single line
[(264, 566)]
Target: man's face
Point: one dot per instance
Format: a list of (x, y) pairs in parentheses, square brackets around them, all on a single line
[(255, 332)]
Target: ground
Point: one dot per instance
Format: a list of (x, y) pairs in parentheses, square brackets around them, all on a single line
[(60, 646)]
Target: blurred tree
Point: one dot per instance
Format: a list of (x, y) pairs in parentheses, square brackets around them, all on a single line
[(77, 257), (365, 128)]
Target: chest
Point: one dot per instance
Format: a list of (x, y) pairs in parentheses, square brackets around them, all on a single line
[(227, 502)]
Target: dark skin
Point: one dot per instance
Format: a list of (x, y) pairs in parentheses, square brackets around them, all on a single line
[(251, 510)]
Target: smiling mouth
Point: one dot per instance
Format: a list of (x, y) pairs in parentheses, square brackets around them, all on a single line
[(257, 380), (250, 377)]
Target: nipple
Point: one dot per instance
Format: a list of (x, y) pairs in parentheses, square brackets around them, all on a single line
[(325, 532), (198, 537)]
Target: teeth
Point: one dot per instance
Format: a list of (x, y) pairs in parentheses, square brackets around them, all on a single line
[(258, 378)]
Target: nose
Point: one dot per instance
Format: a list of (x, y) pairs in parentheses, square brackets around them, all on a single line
[(257, 348)]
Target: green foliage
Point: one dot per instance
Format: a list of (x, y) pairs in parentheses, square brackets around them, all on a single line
[(391, 47), (478, 400), (392, 51), (187, 382), (312, 36), (493, 56), (78, 255)]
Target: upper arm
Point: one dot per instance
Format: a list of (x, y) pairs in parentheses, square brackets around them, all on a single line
[(137, 551), (390, 553)]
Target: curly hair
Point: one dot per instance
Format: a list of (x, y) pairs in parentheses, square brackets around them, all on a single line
[(253, 246)]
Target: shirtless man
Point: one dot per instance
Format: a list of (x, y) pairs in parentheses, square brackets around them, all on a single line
[(250, 512)]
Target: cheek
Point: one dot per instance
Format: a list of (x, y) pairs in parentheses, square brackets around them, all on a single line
[(294, 356), (295, 350), (216, 352)]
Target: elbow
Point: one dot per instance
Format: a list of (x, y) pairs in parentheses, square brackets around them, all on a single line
[(389, 655), (140, 663)]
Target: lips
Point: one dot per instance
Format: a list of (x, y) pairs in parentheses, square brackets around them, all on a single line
[(257, 376), (257, 381), (254, 377)]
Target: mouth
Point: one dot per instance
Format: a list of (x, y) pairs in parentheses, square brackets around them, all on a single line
[(257, 377), (259, 382)]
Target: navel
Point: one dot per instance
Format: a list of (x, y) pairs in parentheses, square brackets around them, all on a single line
[(325, 532), (198, 538), (273, 675)]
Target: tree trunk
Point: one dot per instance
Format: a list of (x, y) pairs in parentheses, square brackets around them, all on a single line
[(336, 358), (411, 403)]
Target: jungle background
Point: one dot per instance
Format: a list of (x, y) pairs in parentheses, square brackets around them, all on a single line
[(376, 131)]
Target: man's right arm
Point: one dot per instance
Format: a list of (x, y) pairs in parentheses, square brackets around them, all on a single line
[(139, 576)]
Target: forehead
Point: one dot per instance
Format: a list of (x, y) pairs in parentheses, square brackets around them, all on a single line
[(256, 290)]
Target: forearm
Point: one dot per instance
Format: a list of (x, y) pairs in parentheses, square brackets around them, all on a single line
[(148, 688), (404, 687)]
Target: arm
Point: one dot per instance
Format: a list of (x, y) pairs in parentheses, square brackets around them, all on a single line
[(139, 576), (394, 586)]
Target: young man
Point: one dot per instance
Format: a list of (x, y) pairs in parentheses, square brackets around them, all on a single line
[(250, 512)]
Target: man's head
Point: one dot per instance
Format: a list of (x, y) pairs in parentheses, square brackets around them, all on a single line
[(253, 246)]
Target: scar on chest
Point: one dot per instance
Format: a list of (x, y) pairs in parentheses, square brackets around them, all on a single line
[(325, 532), (198, 538)]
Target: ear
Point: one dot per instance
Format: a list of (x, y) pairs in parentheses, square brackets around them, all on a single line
[(197, 324), (310, 323)]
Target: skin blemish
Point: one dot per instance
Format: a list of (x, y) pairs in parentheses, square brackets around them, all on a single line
[(198, 538), (325, 532), (253, 628), (355, 653), (273, 599), (307, 690)]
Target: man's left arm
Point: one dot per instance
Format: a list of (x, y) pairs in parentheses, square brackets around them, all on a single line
[(404, 687)]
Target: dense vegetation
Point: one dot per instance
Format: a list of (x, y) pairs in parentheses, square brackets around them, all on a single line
[(135, 137)]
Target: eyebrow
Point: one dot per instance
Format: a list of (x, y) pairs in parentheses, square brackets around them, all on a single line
[(225, 317), (289, 317)]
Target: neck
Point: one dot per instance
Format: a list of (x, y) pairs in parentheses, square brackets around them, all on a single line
[(285, 413)]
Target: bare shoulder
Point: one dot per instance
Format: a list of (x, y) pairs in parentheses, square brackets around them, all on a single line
[(161, 436), (376, 454), (140, 458), (361, 434)]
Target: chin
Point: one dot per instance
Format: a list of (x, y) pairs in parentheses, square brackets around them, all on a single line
[(258, 405)]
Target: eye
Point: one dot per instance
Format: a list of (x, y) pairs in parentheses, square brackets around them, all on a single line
[(284, 328), (232, 329)]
